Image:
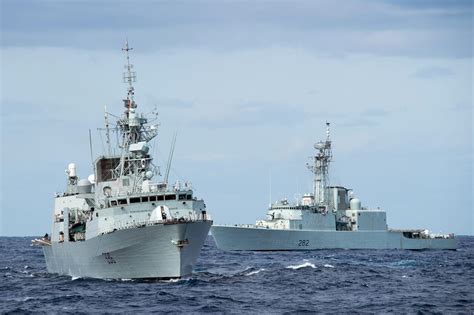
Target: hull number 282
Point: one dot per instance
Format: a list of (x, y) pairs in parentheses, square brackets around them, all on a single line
[(303, 243)]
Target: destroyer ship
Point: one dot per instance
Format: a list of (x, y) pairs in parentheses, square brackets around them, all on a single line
[(331, 217), (118, 223)]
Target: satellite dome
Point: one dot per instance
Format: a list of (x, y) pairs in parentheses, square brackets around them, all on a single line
[(84, 186), (355, 204), (91, 178), (84, 182)]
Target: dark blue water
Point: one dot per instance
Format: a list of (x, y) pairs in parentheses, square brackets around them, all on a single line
[(329, 281)]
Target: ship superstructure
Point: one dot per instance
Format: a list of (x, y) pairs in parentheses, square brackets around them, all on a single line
[(119, 223), (329, 217)]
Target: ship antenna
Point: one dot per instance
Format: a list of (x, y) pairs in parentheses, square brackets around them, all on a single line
[(170, 158), (129, 77), (269, 187), (328, 133), (92, 155), (107, 131)]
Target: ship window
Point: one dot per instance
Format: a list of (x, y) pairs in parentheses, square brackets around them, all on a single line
[(135, 200), (189, 197), (144, 199), (152, 198), (122, 201), (170, 197), (182, 197), (161, 197), (113, 202)]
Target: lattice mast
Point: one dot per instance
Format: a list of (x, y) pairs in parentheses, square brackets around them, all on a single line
[(134, 130), (320, 169)]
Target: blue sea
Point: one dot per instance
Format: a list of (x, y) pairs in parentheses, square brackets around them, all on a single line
[(321, 281)]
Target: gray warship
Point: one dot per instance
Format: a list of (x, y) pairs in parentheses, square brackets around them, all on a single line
[(118, 223), (331, 217)]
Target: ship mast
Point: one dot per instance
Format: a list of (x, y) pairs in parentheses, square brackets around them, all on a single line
[(134, 130), (129, 77), (133, 164), (320, 169)]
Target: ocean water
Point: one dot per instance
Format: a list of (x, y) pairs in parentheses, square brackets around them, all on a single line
[(325, 281)]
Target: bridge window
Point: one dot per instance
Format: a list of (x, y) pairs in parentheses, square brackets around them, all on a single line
[(135, 200), (182, 197), (170, 197), (122, 201)]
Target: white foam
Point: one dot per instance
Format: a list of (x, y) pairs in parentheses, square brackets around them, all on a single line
[(306, 264), (255, 272), (75, 278), (173, 280), (328, 266), (246, 268)]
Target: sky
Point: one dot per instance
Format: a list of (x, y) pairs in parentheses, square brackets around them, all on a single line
[(248, 87)]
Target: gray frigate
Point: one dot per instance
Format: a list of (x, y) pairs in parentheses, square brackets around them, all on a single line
[(331, 217), (119, 223)]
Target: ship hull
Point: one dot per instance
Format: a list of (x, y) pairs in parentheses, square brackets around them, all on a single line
[(146, 252), (261, 239)]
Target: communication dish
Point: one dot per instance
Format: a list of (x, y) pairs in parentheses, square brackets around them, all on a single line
[(91, 178)]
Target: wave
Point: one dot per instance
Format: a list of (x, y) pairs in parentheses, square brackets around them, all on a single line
[(173, 280), (255, 272), (328, 266), (306, 264)]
